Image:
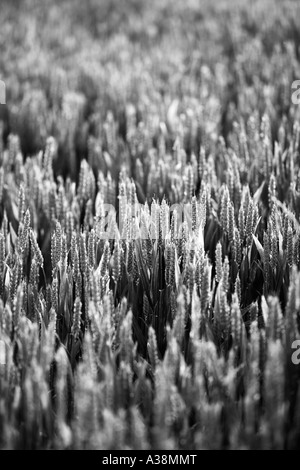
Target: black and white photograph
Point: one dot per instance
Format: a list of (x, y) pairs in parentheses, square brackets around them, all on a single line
[(149, 227)]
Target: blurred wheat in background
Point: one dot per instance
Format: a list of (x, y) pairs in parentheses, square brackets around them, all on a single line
[(168, 322)]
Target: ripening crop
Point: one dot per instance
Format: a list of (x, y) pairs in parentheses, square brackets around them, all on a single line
[(149, 225)]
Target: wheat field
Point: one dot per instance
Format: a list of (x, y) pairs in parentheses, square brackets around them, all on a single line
[(149, 225)]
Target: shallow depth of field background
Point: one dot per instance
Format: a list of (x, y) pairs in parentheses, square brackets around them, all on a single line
[(180, 339)]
